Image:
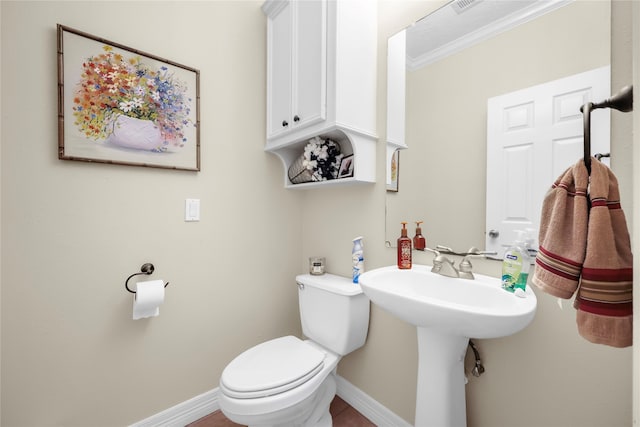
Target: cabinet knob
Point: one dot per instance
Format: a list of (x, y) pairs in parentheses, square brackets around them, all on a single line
[(285, 123), (296, 118), (494, 233)]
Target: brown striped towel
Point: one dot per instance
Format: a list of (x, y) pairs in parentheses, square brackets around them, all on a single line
[(589, 247), (604, 300), (563, 233)]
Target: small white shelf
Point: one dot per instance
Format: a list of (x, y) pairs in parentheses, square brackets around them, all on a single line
[(362, 146)]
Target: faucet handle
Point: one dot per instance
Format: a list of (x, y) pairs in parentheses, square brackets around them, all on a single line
[(465, 264), (466, 268), (433, 251), (473, 251), (449, 251), (444, 266)]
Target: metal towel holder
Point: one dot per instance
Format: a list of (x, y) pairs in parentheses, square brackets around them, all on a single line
[(146, 268), (622, 101)]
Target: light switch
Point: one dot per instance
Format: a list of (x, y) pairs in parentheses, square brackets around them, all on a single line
[(192, 210)]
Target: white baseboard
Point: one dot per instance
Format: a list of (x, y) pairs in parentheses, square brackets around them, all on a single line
[(206, 403), (184, 413), (367, 406)]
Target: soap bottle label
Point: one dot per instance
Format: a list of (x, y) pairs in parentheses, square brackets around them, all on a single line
[(511, 271), (404, 248), (404, 254)]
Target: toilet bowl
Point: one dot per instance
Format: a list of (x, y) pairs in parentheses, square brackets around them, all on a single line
[(290, 378), (288, 381)]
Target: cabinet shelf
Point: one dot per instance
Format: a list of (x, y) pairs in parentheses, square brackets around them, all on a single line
[(362, 146)]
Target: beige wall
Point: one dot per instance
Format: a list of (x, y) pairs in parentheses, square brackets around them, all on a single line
[(72, 232), (72, 355)]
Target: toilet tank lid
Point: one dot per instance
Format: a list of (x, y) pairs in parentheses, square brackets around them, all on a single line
[(331, 283)]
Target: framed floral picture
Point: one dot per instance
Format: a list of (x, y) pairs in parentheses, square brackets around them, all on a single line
[(123, 106)]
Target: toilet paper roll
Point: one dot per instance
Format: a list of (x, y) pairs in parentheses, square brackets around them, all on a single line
[(149, 296)]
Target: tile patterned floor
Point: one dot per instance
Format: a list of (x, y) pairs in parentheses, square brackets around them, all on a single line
[(343, 416)]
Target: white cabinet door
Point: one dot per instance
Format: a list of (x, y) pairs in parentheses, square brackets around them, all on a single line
[(310, 63), (533, 135), (279, 66), (297, 66)]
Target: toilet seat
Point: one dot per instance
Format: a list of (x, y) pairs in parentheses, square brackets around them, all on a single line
[(271, 368)]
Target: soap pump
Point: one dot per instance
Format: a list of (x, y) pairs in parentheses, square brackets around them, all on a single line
[(419, 242), (404, 249)]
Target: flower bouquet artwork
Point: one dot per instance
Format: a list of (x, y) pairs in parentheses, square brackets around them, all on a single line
[(319, 162), (119, 105)]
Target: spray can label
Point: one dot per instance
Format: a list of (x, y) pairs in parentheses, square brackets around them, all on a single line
[(358, 266)]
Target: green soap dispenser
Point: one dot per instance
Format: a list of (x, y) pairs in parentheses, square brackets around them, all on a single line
[(515, 265)]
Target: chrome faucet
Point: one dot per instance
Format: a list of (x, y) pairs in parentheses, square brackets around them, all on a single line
[(443, 265), (465, 263)]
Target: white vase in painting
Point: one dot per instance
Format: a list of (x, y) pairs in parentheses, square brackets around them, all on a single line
[(138, 134)]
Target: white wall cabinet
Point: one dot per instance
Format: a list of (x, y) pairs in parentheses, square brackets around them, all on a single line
[(297, 66), (321, 81)]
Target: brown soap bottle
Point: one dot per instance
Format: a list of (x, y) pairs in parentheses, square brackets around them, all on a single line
[(419, 242), (404, 249)]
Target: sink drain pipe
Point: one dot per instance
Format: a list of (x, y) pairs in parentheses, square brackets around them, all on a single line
[(478, 369)]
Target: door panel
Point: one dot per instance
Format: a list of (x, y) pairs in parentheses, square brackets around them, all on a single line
[(279, 71), (310, 64), (533, 135)]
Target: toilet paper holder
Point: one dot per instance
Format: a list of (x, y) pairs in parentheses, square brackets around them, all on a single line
[(147, 268)]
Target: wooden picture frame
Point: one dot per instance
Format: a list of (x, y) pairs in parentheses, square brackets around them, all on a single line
[(122, 106)]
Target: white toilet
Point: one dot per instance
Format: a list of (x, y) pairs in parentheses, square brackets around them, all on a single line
[(291, 382)]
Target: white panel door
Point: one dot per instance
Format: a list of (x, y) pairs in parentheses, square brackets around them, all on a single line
[(533, 135)]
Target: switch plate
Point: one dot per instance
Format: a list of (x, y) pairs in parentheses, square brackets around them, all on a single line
[(192, 210)]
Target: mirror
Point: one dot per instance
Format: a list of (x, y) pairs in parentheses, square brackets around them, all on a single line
[(442, 173)]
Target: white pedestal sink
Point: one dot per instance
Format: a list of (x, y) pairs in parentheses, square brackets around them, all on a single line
[(447, 312)]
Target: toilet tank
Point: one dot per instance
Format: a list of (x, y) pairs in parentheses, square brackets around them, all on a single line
[(334, 312)]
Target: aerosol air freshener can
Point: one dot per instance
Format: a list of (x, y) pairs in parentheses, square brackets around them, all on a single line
[(357, 257)]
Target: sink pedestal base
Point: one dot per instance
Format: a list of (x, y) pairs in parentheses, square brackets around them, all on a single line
[(440, 399)]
